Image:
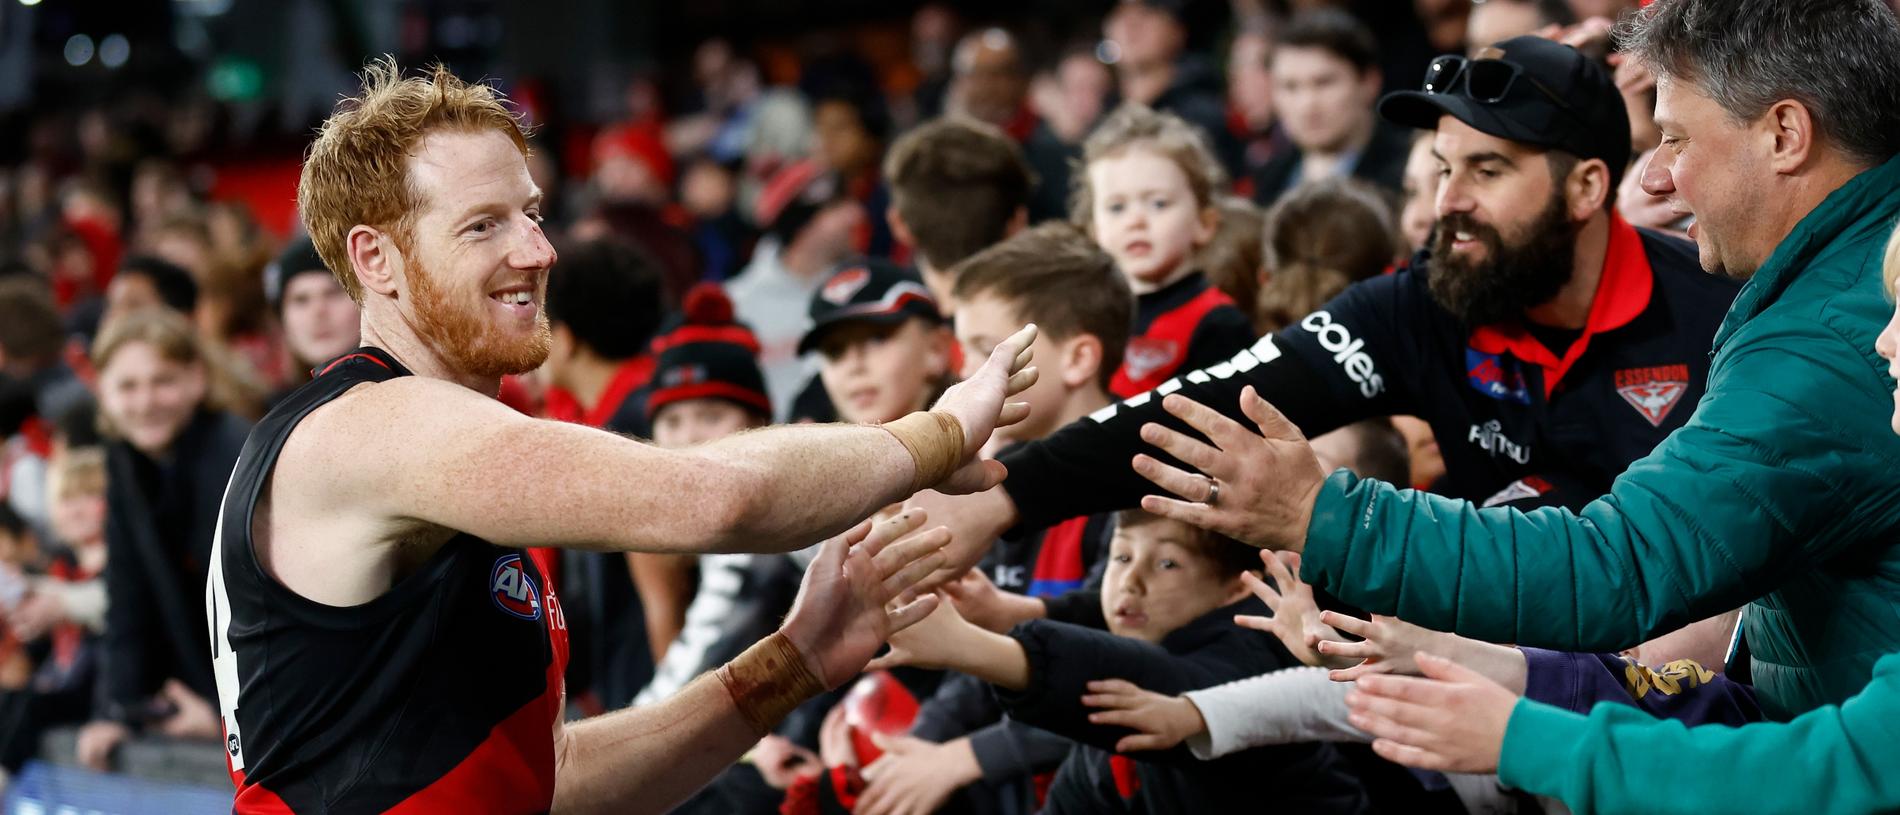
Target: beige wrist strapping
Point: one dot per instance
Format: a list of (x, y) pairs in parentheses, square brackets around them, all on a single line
[(935, 441), (768, 680)]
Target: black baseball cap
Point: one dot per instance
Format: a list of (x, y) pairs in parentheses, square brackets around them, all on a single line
[(1526, 89), (868, 291)]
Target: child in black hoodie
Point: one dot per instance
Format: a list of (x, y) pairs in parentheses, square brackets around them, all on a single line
[(1169, 594)]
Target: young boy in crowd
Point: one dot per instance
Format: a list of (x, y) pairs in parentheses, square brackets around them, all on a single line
[(1054, 276), (1169, 595), (883, 348), (1146, 194)]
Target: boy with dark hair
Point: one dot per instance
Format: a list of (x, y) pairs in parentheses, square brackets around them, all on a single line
[(1326, 76), (1169, 595), (881, 342), (603, 307), (957, 186)]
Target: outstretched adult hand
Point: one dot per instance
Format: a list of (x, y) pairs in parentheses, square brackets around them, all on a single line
[(1295, 619), (981, 404), (1266, 479), (859, 591), (1451, 720)]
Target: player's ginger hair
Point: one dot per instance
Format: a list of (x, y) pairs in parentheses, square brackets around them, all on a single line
[(357, 170)]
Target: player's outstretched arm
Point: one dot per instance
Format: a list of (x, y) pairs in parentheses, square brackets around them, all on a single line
[(419, 452), (856, 594)]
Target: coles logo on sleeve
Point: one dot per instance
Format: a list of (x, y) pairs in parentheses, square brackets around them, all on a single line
[(513, 589), (1653, 391), (1347, 352)]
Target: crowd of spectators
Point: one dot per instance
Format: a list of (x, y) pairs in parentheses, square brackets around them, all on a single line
[(832, 245)]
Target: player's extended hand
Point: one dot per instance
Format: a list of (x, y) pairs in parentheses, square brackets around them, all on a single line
[(1295, 619), (1452, 720), (981, 403), (1267, 479), (859, 591), (1159, 721)]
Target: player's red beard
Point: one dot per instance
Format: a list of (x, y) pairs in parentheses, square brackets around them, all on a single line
[(463, 336)]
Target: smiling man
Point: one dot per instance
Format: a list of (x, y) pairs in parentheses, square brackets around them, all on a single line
[(379, 638)]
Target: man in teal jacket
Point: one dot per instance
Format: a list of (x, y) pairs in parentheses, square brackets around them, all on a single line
[(1457, 720), (1779, 492)]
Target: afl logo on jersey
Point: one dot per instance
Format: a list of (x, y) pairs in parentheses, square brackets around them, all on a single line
[(513, 589)]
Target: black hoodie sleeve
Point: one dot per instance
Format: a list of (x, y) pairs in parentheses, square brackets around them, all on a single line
[(1341, 364), (1064, 658), (961, 704)]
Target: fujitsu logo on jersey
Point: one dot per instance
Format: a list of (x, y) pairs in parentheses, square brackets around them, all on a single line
[(1490, 438), (513, 588), (1346, 352)]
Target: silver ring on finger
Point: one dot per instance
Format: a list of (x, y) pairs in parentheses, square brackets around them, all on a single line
[(1213, 491)]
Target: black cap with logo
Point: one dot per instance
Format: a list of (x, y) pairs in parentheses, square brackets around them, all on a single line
[(1526, 89), (868, 291)]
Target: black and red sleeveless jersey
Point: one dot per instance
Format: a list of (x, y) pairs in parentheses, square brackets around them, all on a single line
[(1183, 326), (439, 696)]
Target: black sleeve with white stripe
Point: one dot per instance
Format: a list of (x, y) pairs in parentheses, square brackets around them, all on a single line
[(1321, 372)]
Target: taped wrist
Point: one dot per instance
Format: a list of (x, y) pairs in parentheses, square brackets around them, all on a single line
[(935, 441), (768, 681)]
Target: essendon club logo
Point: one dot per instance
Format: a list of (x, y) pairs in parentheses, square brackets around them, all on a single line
[(844, 285), (513, 589), (1653, 391)]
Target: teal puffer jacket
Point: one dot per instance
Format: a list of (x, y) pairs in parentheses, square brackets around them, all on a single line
[(1782, 492)]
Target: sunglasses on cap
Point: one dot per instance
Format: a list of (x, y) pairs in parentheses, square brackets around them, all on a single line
[(1486, 81)]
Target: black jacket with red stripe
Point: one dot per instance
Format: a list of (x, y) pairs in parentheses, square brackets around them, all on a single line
[(1182, 326), (438, 696), (1208, 651), (1516, 422)]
